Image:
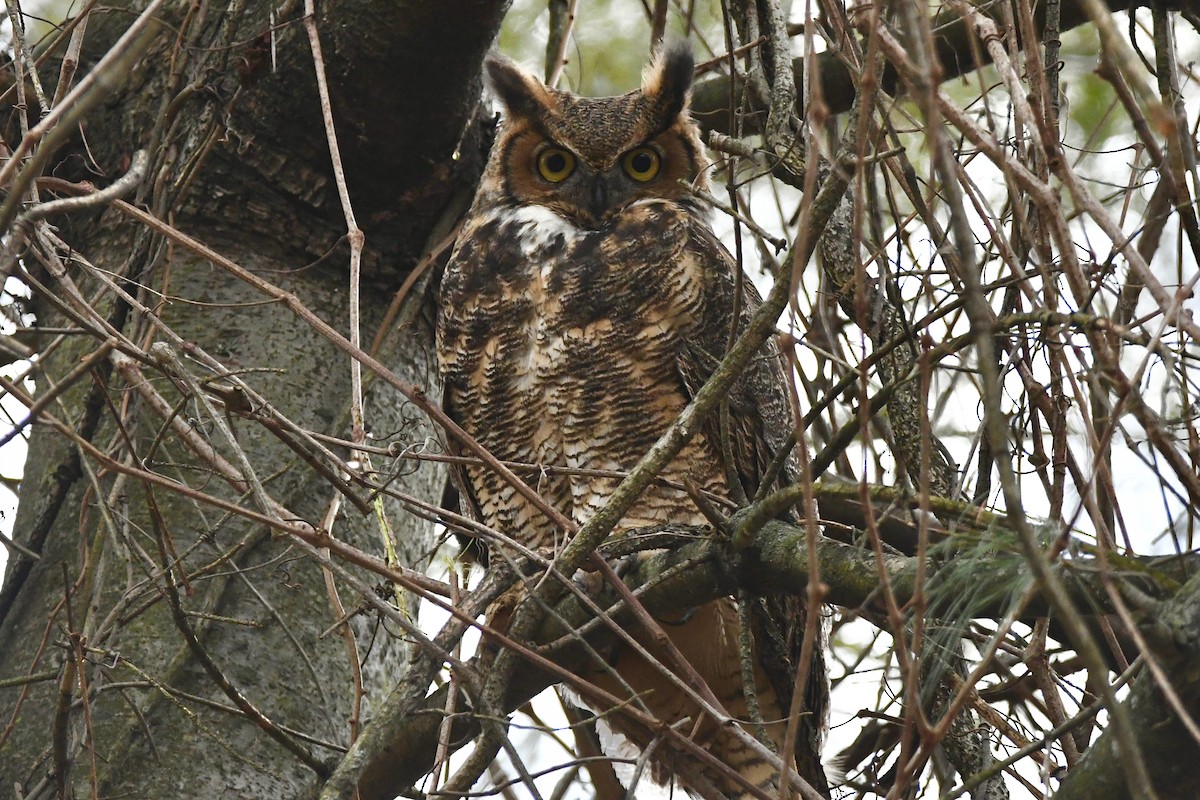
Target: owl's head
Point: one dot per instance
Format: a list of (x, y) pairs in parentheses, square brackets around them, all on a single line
[(589, 158)]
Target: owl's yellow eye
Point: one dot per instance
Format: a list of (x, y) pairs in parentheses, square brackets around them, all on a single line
[(555, 164), (641, 163)]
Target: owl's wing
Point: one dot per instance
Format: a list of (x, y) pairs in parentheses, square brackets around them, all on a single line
[(461, 334), (760, 416), (759, 421), (458, 498)]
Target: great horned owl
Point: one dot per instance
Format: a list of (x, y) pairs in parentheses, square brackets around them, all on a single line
[(586, 301)]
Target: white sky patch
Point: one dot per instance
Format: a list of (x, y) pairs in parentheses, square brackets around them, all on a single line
[(12, 413)]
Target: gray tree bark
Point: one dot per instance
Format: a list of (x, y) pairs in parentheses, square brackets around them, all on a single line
[(229, 114)]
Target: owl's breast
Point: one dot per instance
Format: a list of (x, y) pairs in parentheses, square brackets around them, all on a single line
[(531, 301), (560, 344)]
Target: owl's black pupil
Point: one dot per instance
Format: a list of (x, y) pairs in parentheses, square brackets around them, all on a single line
[(642, 162), (556, 162)]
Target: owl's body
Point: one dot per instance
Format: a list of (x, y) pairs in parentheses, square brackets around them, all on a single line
[(586, 301), (570, 355)]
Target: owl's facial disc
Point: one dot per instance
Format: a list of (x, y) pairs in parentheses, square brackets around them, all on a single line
[(593, 188), (590, 159)]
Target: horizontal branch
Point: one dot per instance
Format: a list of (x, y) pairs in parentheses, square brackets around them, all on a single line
[(1169, 748), (699, 567), (955, 44)]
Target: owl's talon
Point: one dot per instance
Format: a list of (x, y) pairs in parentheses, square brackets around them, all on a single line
[(625, 564), (589, 581)]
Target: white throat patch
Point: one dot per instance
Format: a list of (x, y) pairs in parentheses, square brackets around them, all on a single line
[(539, 226)]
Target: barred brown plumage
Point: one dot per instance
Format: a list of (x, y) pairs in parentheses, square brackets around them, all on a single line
[(586, 301)]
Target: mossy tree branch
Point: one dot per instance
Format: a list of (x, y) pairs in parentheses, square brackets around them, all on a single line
[(953, 45), (705, 567)]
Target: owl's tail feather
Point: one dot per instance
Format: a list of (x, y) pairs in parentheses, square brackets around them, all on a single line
[(708, 640)]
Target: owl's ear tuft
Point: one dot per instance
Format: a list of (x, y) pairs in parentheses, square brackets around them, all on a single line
[(521, 93), (668, 79)]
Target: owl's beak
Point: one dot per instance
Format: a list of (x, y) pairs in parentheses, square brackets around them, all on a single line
[(599, 199)]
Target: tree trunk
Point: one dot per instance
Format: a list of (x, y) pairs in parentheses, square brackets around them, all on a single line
[(229, 114)]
